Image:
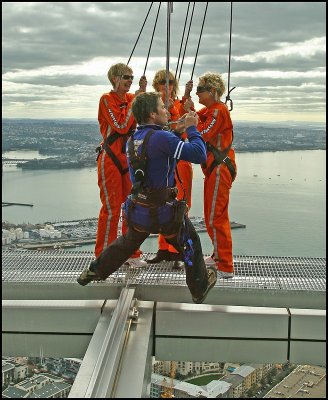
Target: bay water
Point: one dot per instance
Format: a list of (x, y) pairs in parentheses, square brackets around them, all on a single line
[(279, 196)]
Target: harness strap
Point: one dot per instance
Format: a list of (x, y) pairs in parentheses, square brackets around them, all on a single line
[(106, 146), (180, 180), (221, 156), (139, 162), (115, 160), (155, 197)]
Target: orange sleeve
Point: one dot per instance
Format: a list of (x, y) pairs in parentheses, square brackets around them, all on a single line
[(217, 122), (175, 110), (202, 114), (115, 115), (178, 113)]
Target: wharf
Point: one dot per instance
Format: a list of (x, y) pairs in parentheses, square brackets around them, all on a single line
[(62, 244), (7, 204), (82, 232), (71, 243)]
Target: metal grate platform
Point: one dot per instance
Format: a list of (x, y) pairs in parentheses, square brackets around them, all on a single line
[(260, 272)]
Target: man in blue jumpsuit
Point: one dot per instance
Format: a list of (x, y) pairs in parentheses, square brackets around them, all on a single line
[(151, 206)]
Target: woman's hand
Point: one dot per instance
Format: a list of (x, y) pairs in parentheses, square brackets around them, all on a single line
[(188, 104), (142, 85), (188, 88)]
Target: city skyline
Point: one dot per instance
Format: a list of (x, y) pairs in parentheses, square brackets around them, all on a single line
[(56, 55)]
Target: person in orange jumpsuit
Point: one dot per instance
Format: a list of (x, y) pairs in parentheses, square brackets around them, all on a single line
[(220, 170), (184, 172), (115, 122)]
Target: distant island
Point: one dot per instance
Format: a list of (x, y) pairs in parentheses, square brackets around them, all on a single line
[(72, 144)]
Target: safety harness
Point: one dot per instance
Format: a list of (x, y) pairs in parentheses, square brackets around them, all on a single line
[(106, 146), (221, 156), (140, 193)]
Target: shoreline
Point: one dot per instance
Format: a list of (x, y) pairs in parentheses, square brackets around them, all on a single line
[(76, 233)]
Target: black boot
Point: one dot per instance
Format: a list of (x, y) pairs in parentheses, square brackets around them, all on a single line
[(89, 274), (161, 255), (177, 257)]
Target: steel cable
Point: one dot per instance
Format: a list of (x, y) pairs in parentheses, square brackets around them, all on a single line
[(230, 90), (152, 37), (184, 28), (200, 36), (140, 32), (184, 52)]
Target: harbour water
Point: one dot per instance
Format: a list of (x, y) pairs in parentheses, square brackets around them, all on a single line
[(279, 196)]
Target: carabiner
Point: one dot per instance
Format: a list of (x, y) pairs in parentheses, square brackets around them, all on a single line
[(230, 106)]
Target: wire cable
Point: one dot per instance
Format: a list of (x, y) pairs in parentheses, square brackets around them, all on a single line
[(140, 33), (152, 36), (200, 36), (230, 90), (184, 52), (168, 38), (176, 70)]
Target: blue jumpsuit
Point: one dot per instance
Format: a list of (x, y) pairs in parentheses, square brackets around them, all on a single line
[(163, 150)]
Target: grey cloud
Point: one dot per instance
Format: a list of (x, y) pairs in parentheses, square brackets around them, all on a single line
[(70, 33), (43, 34), (63, 80)]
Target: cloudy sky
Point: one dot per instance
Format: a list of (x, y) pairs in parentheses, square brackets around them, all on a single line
[(55, 55)]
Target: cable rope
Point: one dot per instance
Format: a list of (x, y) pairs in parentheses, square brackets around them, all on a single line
[(200, 36), (168, 32), (184, 28), (184, 52), (230, 90), (152, 36), (140, 32)]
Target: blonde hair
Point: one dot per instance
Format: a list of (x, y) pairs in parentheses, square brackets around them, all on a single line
[(213, 80), (118, 70), (160, 76)]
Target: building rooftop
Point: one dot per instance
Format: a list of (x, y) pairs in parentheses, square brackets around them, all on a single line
[(215, 388), (7, 366), (243, 370), (14, 393), (306, 381), (50, 390)]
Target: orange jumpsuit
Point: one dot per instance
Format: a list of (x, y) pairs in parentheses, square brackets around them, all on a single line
[(114, 115), (185, 173), (216, 128)]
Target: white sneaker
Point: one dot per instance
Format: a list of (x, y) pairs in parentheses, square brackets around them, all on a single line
[(209, 261), (225, 275), (136, 262)]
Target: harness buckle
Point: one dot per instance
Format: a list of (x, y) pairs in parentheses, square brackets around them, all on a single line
[(99, 149)]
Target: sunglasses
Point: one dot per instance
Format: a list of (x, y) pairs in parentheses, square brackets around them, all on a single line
[(202, 89), (163, 82), (126, 77)]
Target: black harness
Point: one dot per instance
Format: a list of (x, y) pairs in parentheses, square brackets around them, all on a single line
[(106, 146), (221, 156), (140, 193), (138, 161)]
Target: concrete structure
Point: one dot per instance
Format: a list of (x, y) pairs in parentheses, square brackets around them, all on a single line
[(20, 372), (185, 368), (8, 373), (139, 313)]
